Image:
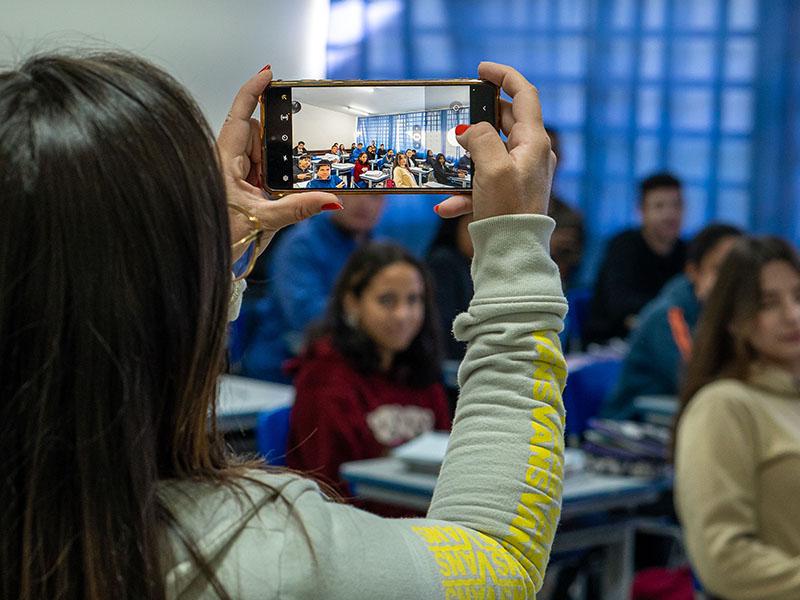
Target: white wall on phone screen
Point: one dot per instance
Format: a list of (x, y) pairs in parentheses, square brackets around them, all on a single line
[(320, 128), (211, 47)]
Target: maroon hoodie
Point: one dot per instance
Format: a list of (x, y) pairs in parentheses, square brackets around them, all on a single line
[(341, 415)]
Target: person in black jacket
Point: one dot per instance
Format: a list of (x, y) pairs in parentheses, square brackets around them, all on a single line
[(441, 172), (639, 261)]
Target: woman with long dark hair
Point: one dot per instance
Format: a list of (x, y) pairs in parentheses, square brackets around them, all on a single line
[(117, 253), (370, 378), (737, 449)]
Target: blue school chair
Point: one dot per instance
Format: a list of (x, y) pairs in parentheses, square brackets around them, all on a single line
[(272, 435), (586, 390)]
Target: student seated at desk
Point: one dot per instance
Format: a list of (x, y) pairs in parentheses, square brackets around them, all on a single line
[(361, 167), (465, 162), (359, 148), (324, 178), (737, 444), (370, 377), (441, 172), (302, 170), (388, 159), (401, 175), (300, 149), (639, 261), (411, 157), (661, 343), (381, 151), (370, 152), (430, 159)]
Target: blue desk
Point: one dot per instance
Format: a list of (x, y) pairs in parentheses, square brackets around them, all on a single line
[(389, 480), (241, 399)]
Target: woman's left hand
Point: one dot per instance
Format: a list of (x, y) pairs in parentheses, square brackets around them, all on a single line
[(239, 146)]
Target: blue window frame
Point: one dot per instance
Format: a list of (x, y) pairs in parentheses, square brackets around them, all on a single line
[(709, 89)]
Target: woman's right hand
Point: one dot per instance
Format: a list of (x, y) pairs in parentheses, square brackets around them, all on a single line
[(513, 177)]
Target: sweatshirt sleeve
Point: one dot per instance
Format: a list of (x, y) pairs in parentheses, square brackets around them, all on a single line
[(498, 498), (715, 496)]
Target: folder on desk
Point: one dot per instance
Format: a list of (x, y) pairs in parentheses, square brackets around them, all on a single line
[(424, 453)]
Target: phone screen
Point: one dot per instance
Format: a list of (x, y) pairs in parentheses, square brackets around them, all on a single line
[(392, 138)]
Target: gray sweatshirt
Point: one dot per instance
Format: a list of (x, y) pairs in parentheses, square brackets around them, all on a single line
[(498, 498)]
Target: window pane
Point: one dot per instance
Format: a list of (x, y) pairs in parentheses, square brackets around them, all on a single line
[(690, 157), (740, 60), (649, 109), (647, 156), (694, 212), (617, 156), (734, 161), (620, 58), (695, 15), (691, 109), (742, 14), (737, 111), (733, 206), (622, 14), (693, 59), (653, 15), (571, 56), (651, 65)]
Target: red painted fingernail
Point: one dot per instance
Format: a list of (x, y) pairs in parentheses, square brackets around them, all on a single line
[(460, 129), (436, 209), (332, 206), (266, 68)]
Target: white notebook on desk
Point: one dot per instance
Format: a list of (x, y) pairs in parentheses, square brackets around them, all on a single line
[(425, 454)]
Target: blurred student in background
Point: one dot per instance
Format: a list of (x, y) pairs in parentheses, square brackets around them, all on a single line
[(567, 241), (369, 379), (371, 152), (303, 269), (300, 149), (324, 178), (411, 157), (449, 260), (662, 342), (401, 175), (361, 167), (737, 446), (639, 261), (381, 151)]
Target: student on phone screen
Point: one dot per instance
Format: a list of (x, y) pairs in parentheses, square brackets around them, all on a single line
[(114, 315), (403, 178), (324, 178)]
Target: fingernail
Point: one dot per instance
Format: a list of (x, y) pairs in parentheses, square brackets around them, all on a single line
[(436, 209), (460, 129), (332, 206), (266, 68)]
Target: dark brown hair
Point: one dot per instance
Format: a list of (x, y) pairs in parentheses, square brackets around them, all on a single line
[(115, 283), (721, 348), (419, 364)]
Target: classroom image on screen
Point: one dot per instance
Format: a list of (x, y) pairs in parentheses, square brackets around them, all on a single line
[(380, 137)]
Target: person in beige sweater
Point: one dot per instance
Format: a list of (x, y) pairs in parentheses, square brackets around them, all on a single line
[(115, 271), (402, 176), (737, 447)]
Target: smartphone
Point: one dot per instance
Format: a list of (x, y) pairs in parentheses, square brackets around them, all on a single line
[(315, 132)]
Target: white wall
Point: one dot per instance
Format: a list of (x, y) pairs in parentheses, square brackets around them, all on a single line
[(319, 127), (210, 46)]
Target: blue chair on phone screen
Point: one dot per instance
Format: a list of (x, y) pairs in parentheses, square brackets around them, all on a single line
[(272, 434)]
